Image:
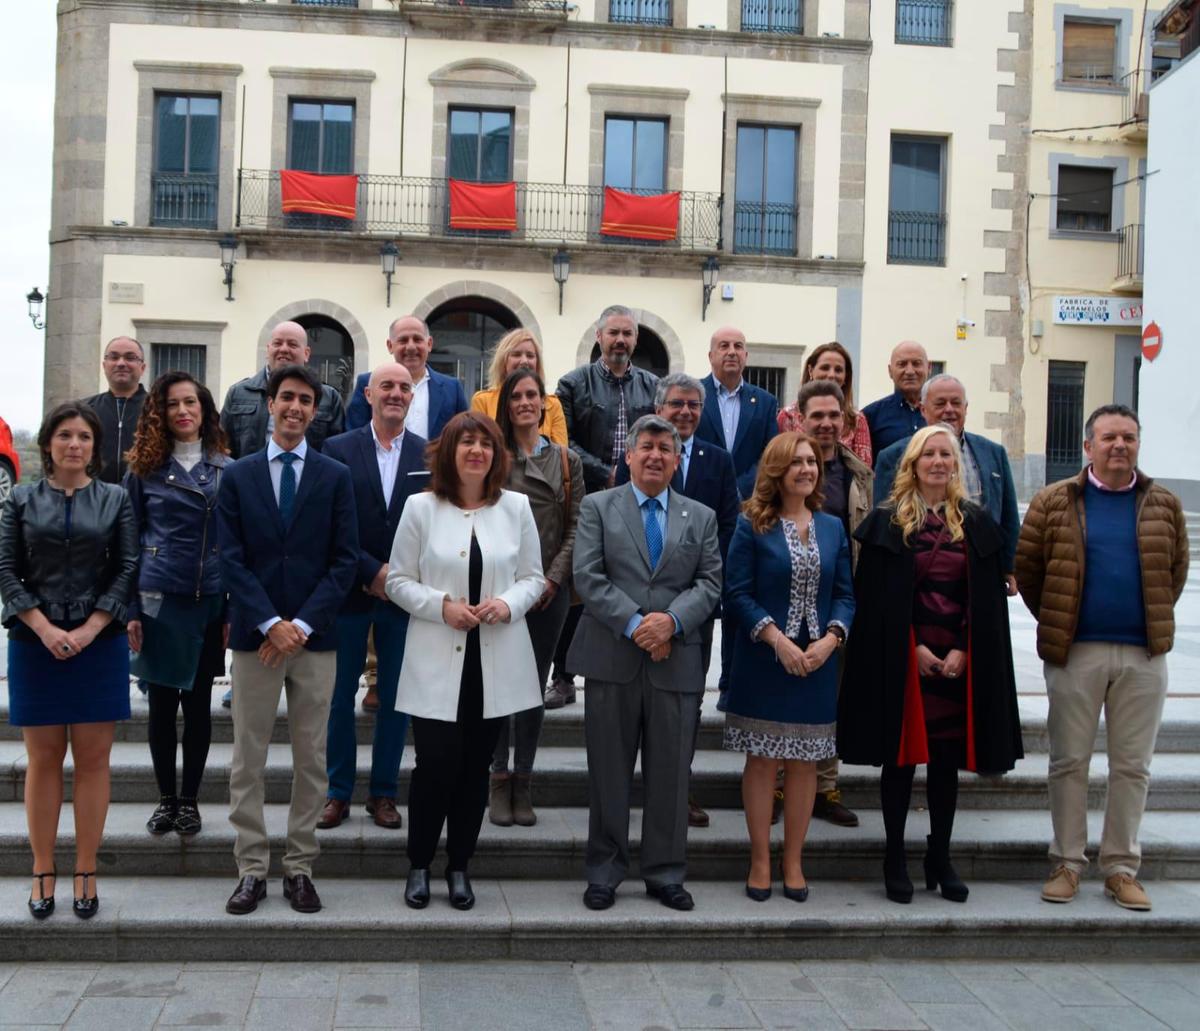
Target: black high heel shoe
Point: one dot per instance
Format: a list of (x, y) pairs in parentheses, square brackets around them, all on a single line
[(939, 872), (416, 891), (758, 894), (896, 881), (84, 907), (795, 894), (42, 907), (459, 884)]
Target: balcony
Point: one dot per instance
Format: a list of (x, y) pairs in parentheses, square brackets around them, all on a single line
[(1131, 261), (555, 9), (1135, 111), (785, 17), (324, 3), (183, 199), (547, 213), (924, 22), (916, 238), (640, 12), (764, 228)]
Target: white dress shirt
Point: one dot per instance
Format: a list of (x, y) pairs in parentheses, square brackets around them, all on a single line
[(275, 468), (388, 457), (417, 419), (729, 403)]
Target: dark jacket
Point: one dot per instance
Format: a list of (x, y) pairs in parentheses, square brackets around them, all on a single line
[(176, 513), (540, 478), (879, 655), (67, 577), (300, 571), (446, 399), (377, 521), (1050, 562), (244, 416), (590, 401), (118, 423), (758, 422)]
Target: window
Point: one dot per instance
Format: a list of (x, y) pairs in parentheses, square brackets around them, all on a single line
[(1064, 420), (770, 378), (635, 154), (189, 358), (321, 137), (1085, 199), (640, 12), (784, 16), (187, 133), (764, 210), (916, 201), (1089, 52), (481, 145), (936, 369), (924, 21)]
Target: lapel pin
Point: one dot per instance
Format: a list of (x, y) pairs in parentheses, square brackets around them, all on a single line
[(754, 400)]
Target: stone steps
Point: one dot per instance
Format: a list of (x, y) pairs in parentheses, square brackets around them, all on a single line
[(561, 779), (987, 845), (147, 918)]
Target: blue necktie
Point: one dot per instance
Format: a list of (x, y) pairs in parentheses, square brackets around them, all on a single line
[(287, 486), (654, 541)]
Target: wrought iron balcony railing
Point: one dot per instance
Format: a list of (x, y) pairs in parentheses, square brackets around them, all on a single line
[(1131, 252), (640, 12), (325, 3), (419, 206), (916, 238), (183, 199), (926, 22), (764, 228), (1136, 101), (782, 16), (544, 8)]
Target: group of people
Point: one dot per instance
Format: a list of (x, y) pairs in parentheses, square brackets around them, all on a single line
[(860, 562)]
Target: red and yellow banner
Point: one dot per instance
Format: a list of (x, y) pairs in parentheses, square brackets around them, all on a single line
[(483, 205), (655, 217), (318, 194)]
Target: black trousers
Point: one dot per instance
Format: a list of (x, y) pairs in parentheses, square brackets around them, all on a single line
[(197, 733)]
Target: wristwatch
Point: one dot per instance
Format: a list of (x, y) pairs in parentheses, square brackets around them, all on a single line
[(839, 633)]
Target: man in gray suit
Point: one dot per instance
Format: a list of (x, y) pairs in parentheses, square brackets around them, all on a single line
[(648, 569)]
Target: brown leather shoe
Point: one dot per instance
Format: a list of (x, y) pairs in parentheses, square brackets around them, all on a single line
[(697, 817), (300, 891), (385, 812), (370, 702), (827, 805), (334, 813), (246, 896), (560, 692)]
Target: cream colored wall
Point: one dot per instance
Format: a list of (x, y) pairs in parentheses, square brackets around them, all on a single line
[(942, 91)]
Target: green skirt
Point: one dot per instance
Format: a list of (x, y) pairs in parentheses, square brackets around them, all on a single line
[(181, 637)]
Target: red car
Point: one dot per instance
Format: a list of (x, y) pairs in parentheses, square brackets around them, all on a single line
[(10, 463)]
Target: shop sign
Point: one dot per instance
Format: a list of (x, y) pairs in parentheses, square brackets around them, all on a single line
[(1092, 310)]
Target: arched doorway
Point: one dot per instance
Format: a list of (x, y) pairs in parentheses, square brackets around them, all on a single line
[(651, 353), (464, 332), (332, 352)]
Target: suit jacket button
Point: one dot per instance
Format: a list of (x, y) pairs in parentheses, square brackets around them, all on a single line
[(458, 647), (462, 554)]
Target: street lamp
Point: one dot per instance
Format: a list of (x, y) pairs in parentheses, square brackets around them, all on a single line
[(35, 299), (708, 276), (562, 268), (229, 245), (389, 254)]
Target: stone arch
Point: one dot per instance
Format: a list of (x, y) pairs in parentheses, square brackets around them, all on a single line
[(317, 306), (479, 288), (670, 339), (482, 70)]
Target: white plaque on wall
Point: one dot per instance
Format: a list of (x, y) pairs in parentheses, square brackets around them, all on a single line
[(126, 293)]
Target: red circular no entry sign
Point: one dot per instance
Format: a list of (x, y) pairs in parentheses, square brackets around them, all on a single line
[(1152, 341)]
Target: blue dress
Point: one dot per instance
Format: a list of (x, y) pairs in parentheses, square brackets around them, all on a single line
[(802, 587)]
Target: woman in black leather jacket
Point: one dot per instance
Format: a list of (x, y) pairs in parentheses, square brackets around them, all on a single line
[(177, 618), (68, 560)]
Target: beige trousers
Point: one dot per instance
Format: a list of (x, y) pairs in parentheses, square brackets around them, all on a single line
[(1131, 688), (307, 678)]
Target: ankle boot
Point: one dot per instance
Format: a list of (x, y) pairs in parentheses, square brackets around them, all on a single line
[(896, 881), (500, 801), (522, 801), (938, 871)]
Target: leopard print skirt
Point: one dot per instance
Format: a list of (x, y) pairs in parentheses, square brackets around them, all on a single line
[(804, 742)]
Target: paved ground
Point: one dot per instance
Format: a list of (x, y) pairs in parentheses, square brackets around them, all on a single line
[(560, 996)]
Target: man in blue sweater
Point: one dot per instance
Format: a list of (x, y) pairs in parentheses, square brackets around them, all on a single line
[(1101, 562)]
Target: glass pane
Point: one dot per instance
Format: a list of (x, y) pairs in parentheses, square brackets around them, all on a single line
[(205, 134), (650, 150), (749, 178), (495, 146), (306, 138), (171, 134), (618, 153), (916, 175), (337, 156), (464, 145), (781, 166)]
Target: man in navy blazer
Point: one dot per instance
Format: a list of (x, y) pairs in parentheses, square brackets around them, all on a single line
[(436, 398), (738, 416), (289, 551), (706, 475), (986, 475), (387, 466)]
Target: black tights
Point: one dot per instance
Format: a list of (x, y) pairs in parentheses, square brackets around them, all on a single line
[(197, 734), (941, 788)]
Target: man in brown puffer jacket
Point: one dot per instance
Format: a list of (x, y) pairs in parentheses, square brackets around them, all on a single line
[(1101, 561)]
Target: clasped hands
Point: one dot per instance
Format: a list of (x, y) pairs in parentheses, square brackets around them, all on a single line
[(654, 633), (461, 615), (283, 640), (800, 662)]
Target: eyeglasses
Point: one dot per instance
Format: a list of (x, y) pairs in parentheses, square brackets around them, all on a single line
[(676, 405), (130, 356)]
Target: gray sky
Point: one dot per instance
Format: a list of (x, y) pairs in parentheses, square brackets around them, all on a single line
[(27, 81)]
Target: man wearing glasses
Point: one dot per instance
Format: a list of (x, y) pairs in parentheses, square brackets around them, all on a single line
[(119, 407)]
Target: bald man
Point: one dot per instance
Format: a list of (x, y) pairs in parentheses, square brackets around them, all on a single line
[(244, 416), (898, 415), (119, 407), (387, 466)]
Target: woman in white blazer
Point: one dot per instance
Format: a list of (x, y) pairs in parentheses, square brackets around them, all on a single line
[(466, 565)]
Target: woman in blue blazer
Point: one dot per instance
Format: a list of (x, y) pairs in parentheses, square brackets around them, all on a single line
[(788, 585)]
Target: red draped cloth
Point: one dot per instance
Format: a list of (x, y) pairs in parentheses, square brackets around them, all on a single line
[(318, 194), (490, 206), (655, 217)]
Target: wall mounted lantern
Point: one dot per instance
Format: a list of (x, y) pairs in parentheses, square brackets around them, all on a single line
[(229, 245), (562, 269), (36, 300), (389, 254), (708, 275)]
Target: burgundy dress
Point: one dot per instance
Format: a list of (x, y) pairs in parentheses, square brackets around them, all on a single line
[(939, 619)]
